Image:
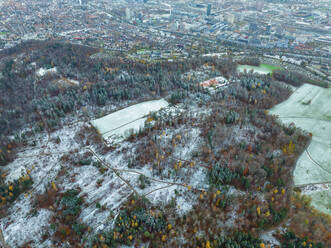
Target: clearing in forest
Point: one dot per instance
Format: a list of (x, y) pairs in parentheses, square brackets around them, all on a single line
[(117, 126)]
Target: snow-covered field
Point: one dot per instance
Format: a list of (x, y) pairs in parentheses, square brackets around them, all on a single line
[(116, 126), (309, 108)]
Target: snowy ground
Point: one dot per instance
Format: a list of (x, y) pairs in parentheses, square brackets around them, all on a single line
[(42, 72), (116, 126), (25, 223), (309, 108), (43, 161)]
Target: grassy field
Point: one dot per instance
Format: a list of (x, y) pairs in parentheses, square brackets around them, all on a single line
[(270, 67), (262, 69)]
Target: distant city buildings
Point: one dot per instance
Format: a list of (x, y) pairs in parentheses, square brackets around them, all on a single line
[(252, 27), (126, 24)]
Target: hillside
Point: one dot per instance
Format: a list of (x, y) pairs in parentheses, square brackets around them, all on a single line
[(213, 169)]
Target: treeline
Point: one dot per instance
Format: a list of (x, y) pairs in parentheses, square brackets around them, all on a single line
[(296, 79), (35, 45), (250, 61)]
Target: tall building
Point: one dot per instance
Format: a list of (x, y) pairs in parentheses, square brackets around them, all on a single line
[(259, 5), (128, 13), (140, 17), (268, 28), (208, 9), (230, 18)]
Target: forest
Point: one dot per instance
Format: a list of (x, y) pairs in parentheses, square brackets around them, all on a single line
[(41, 102), (246, 155), (296, 79)]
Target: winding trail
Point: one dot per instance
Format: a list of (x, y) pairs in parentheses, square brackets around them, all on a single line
[(315, 162)]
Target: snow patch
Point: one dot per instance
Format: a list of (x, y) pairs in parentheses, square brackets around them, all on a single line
[(42, 72), (21, 225), (269, 239), (15, 174)]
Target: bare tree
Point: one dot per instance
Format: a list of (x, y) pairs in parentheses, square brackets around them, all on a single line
[(2, 240)]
